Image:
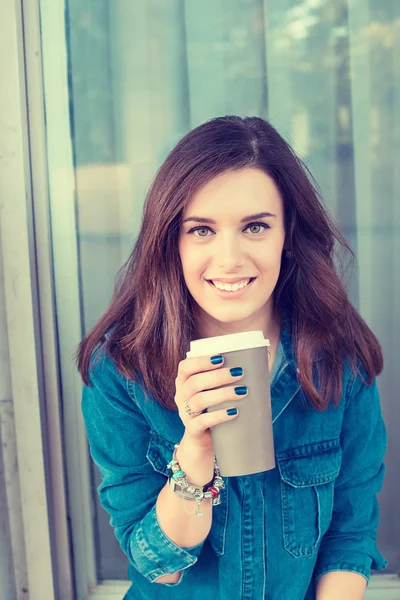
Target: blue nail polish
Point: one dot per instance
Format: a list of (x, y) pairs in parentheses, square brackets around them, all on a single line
[(216, 360), (232, 411), (236, 371), (241, 390)]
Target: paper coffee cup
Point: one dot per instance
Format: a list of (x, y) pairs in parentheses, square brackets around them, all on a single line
[(244, 445)]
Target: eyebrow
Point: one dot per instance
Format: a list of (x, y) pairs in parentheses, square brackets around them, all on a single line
[(244, 220)]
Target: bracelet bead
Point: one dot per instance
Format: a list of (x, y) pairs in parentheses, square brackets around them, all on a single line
[(214, 491), (188, 491)]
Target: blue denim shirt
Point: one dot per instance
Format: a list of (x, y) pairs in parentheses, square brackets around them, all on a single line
[(274, 533)]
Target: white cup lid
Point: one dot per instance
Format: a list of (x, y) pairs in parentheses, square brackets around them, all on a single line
[(227, 343)]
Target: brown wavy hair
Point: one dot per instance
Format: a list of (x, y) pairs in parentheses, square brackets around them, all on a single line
[(150, 320)]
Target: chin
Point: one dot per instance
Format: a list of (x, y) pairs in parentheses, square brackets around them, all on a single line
[(230, 319)]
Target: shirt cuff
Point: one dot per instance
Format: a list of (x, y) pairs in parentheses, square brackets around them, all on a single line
[(154, 554), (355, 562)]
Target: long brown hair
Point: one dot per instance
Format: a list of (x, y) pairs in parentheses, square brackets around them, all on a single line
[(150, 320)]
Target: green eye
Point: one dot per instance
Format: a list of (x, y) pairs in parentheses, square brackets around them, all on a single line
[(263, 225), (196, 229)]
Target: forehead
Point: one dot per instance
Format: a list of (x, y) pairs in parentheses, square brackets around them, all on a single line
[(234, 191)]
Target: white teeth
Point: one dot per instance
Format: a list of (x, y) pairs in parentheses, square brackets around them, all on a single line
[(231, 288)]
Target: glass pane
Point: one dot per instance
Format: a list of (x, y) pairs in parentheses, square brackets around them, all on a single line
[(324, 73)]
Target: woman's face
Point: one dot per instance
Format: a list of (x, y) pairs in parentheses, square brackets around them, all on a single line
[(233, 231)]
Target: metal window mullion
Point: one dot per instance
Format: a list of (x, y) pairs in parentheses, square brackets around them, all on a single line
[(67, 291), (46, 301), (20, 289), (360, 76)]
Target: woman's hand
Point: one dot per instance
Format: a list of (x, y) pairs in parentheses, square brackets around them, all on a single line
[(195, 386)]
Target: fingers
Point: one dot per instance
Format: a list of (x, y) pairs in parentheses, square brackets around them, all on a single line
[(213, 397), (199, 364), (199, 384), (196, 426), (199, 390), (209, 380)]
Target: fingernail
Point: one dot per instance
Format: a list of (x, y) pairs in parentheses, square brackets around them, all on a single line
[(232, 411), (236, 371), (241, 390), (216, 360)]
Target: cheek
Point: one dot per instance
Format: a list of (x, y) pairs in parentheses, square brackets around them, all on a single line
[(269, 258), (270, 254), (193, 263)]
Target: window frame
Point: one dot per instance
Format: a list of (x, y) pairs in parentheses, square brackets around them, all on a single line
[(54, 479), (22, 310)]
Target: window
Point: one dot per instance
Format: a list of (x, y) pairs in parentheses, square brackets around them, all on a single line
[(123, 81)]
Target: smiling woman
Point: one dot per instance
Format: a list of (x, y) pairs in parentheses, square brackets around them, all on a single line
[(231, 253), (145, 404), (217, 168)]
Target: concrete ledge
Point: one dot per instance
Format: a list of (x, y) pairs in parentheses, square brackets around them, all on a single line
[(381, 587)]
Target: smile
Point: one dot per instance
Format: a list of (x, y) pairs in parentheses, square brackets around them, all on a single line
[(231, 290)]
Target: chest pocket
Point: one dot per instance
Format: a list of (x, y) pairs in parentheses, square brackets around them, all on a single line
[(159, 454), (308, 476)]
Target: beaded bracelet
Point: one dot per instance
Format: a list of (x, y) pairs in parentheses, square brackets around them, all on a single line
[(186, 490)]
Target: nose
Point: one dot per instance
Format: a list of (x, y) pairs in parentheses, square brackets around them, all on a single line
[(230, 254)]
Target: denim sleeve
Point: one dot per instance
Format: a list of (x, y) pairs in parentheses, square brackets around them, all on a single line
[(350, 542), (118, 436)]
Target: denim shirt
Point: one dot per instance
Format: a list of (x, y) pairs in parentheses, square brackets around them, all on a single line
[(275, 533)]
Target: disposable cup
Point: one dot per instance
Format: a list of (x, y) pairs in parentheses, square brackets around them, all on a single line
[(244, 445)]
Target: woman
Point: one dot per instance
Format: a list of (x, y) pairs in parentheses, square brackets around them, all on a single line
[(234, 238)]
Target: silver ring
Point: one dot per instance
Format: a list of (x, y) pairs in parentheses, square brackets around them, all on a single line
[(191, 412)]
